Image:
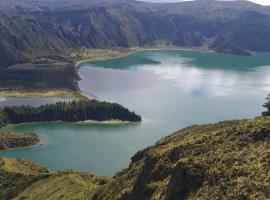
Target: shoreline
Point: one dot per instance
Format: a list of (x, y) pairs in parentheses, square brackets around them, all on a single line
[(130, 51), (107, 122), (22, 148), (87, 122), (29, 142), (107, 55), (137, 50)]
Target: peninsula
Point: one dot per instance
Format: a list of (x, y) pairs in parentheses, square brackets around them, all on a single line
[(75, 111)]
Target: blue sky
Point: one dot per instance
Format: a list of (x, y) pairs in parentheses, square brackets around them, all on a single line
[(262, 2)]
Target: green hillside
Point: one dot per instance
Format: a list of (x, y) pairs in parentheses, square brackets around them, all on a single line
[(60, 27)]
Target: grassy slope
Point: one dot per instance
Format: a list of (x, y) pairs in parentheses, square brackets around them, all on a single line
[(37, 182), (227, 160), (69, 185), (18, 174)]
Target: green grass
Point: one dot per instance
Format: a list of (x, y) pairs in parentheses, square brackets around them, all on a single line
[(71, 185), (18, 174)]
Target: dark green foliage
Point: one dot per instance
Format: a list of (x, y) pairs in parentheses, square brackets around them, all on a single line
[(71, 112), (267, 106)]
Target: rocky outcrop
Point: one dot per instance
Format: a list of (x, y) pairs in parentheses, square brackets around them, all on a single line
[(18, 141)]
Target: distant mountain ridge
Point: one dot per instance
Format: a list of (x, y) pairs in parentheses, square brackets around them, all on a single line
[(30, 28)]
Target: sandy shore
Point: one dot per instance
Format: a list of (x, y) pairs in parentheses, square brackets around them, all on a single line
[(109, 122)]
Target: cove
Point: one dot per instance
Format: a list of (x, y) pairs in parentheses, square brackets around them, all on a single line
[(169, 89)]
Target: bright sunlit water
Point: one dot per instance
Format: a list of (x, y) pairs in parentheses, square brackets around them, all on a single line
[(170, 89)]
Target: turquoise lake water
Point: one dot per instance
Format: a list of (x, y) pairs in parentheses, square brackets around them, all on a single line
[(170, 89)]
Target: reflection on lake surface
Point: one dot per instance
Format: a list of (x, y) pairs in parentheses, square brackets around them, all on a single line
[(170, 89)]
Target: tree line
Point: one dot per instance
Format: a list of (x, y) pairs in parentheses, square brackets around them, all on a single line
[(73, 111)]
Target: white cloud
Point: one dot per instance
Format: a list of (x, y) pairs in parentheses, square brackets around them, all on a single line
[(262, 2)]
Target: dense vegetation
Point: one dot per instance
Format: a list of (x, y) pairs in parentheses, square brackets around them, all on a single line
[(74, 111), (227, 160)]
